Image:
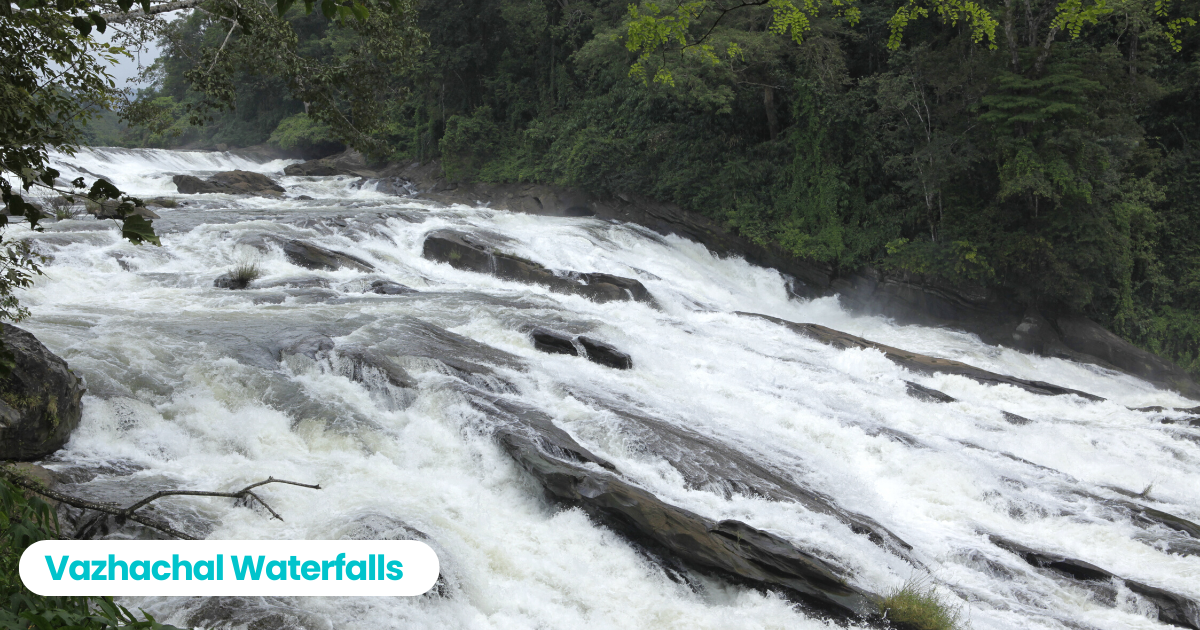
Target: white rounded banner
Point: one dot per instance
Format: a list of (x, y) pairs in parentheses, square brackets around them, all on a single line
[(229, 567)]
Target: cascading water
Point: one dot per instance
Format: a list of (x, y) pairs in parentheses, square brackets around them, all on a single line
[(208, 388)]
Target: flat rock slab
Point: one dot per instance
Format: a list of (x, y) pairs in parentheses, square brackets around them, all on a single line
[(920, 363), (466, 252)]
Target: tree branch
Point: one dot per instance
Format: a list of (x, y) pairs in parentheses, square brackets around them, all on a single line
[(129, 513)]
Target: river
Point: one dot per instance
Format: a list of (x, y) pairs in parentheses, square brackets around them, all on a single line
[(192, 386)]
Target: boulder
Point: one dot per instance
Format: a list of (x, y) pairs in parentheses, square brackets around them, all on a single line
[(553, 342), (312, 256), (229, 182), (471, 253), (604, 354), (39, 400)]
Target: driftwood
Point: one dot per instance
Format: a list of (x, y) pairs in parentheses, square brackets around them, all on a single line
[(130, 513)]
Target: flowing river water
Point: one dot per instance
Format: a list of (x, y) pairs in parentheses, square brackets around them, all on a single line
[(198, 387)]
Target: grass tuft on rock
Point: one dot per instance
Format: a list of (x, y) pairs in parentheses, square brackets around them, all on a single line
[(246, 272), (917, 605)]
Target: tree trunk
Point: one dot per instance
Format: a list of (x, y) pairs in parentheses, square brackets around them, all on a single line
[(769, 106)]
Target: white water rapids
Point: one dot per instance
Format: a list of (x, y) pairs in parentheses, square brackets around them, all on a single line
[(182, 394)]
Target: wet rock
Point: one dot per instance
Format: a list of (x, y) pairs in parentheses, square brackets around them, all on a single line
[(1172, 608), (307, 344), (387, 287), (348, 162), (922, 364), (304, 198), (920, 392), (1085, 336), (231, 280), (553, 342), (39, 399), (728, 547), (229, 182), (296, 282), (1013, 418), (706, 464), (316, 257), (469, 253), (605, 354)]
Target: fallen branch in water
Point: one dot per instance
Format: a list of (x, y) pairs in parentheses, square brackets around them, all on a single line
[(130, 513)]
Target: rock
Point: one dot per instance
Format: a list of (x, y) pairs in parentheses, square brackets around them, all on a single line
[(920, 392), (316, 257), (553, 342), (161, 202), (470, 253), (387, 287), (922, 364), (1087, 337), (1013, 418), (304, 198), (230, 280), (604, 354), (144, 212), (104, 210), (729, 547), (1172, 608), (229, 182), (39, 400), (349, 162)]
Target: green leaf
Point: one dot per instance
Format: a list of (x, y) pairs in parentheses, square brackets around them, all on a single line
[(98, 20), (329, 9), (282, 6), (124, 5), (82, 24), (360, 11), (139, 230)]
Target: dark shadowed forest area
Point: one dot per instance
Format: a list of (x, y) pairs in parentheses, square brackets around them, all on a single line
[(1046, 148)]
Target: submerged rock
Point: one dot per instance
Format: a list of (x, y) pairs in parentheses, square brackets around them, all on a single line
[(920, 363), (605, 354), (229, 182), (39, 399), (466, 252)]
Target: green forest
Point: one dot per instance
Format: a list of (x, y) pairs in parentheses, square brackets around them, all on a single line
[(1049, 148)]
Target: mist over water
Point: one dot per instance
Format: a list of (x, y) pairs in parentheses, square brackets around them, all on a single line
[(190, 386)]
